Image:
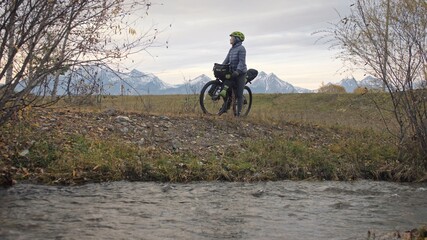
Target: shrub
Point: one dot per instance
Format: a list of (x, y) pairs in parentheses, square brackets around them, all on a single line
[(332, 88)]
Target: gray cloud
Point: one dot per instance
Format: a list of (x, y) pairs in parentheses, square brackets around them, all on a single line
[(275, 31)]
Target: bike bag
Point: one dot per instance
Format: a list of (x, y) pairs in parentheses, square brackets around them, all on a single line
[(222, 71), (251, 75)]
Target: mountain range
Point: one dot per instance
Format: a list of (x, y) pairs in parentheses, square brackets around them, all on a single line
[(147, 83), (139, 83), (136, 82), (350, 84)]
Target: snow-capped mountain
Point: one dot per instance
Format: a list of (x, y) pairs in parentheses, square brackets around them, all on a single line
[(189, 87), (137, 82), (270, 83), (350, 84), (115, 83), (375, 83), (371, 83), (147, 80)]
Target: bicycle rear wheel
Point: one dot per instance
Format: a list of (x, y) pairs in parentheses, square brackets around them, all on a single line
[(247, 102), (209, 100)]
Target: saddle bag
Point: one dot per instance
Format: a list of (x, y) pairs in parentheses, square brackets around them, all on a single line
[(251, 75)]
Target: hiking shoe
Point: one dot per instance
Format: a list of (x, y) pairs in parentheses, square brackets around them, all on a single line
[(221, 111)]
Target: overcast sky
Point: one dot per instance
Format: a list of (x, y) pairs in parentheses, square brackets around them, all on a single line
[(278, 38)]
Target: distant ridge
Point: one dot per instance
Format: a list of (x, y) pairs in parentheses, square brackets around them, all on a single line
[(350, 84), (135, 82), (140, 83)]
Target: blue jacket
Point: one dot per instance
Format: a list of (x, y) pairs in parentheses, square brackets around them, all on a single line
[(236, 57)]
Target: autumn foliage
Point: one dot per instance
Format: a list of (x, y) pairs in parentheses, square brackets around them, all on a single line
[(331, 88)]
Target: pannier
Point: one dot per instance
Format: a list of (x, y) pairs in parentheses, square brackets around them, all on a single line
[(222, 71)]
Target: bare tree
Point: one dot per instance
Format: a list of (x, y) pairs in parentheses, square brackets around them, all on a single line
[(42, 39), (388, 38)]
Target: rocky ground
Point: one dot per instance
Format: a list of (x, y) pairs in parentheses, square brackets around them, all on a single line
[(198, 134)]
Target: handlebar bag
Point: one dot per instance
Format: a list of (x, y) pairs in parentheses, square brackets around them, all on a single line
[(222, 71)]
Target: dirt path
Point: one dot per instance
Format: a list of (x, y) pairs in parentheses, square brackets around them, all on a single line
[(198, 134)]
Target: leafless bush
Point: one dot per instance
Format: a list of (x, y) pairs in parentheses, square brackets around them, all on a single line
[(191, 101), (387, 39), (43, 39)]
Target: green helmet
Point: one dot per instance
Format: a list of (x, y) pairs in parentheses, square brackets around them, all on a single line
[(238, 34)]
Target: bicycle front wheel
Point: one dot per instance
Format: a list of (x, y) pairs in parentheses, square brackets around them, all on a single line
[(209, 100)]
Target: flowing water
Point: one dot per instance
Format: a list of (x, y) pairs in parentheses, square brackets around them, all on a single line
[(211, 210)]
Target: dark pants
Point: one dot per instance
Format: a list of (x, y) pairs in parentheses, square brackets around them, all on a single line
[(238, 84)]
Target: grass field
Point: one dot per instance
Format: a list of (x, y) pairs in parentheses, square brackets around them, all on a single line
[(333, 110), (310, 136)]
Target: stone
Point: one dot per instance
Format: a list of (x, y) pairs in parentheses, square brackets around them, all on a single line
[(122, 119), (141, 142), (24, 153), (110, 112)]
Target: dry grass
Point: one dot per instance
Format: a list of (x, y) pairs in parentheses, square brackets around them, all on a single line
[(356, 111)]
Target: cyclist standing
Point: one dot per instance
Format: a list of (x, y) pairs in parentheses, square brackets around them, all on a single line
[(236, 57)]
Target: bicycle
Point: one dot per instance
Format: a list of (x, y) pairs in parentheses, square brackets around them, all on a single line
[(212, 103)]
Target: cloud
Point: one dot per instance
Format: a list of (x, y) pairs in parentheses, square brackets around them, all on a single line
[(278, 37)]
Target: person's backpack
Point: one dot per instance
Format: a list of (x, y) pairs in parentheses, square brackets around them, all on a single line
[(222, 71)]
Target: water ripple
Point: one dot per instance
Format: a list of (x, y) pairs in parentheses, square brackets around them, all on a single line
[(213, 210)]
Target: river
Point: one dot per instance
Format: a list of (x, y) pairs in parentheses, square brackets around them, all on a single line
[(211, 210)]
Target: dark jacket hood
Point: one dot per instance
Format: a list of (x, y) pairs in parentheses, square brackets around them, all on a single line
[(237, 41)]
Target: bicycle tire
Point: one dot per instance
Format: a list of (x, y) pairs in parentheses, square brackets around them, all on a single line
[(209, 103), (247, 102)]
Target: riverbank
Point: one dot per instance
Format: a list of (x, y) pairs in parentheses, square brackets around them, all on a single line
[(69, 146)]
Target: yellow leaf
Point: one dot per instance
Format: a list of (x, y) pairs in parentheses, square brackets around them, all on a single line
[(132, 31)]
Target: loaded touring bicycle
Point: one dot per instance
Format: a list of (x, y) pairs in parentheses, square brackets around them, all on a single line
[(212, 102)]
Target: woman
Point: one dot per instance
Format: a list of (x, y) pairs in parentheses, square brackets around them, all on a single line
[(236, 57)]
